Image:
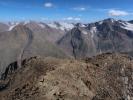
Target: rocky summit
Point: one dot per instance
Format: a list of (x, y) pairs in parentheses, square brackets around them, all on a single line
[(102, 77)]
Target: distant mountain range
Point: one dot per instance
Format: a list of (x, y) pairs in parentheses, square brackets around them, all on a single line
[(13, 37), (62, 39), (104, 36)]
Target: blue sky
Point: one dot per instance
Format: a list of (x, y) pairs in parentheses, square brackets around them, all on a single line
[(65, 10)]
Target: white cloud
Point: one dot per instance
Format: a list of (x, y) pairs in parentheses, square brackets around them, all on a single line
[(72, 19), (77, 19), (117, 13), (80, 8), (68, 18), (48, 5)]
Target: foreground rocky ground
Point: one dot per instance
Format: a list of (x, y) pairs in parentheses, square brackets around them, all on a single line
[(104, 77)]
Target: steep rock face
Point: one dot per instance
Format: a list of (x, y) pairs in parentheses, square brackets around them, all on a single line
[(113, 37), (104, 36), (75, 43), (106, 77), (131, 21)]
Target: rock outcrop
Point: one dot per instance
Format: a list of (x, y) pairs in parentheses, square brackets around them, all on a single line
[(104, 77)]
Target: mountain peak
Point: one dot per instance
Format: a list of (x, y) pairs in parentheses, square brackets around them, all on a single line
[(110, 20)]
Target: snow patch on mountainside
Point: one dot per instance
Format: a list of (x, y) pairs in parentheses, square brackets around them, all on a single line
[(12, 25), (127, 26), (84, 32), (93, 30), (52, 25), (62, 26), (83, 25), (26, 22), (112, 20), (66, 26), (41, 25), (101, 22)]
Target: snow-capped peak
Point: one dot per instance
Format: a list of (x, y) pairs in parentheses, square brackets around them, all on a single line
[(127, 26), (110, 20)]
